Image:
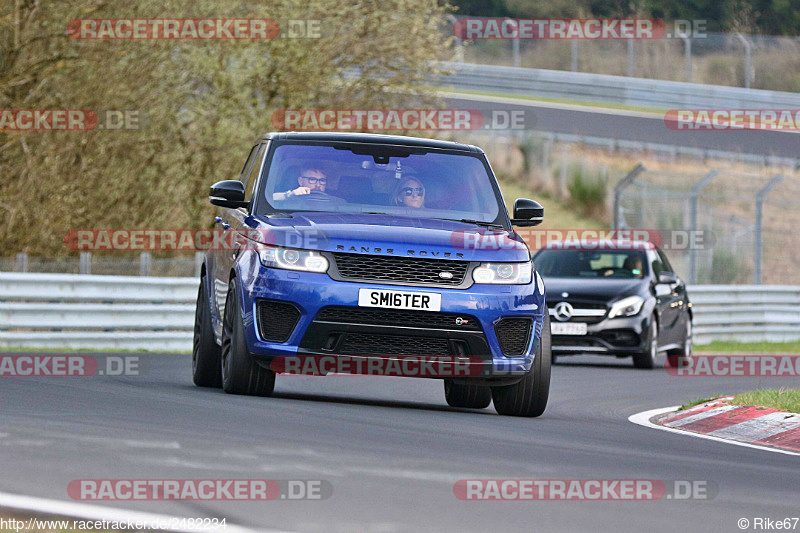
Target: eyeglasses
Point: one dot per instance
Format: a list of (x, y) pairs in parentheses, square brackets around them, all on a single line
[(416, 191), (312, 181)]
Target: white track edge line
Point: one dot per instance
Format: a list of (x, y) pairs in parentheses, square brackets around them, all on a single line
[(643, 419), (19, 502)]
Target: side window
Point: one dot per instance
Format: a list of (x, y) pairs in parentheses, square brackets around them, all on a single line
[(667, 266), (251, 178), (656, 264), (248, 164)]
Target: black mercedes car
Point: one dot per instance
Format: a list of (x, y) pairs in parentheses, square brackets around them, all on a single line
[(615, 298)]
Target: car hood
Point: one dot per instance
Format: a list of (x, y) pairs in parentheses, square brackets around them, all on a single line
[(389, 235), (597, 290)]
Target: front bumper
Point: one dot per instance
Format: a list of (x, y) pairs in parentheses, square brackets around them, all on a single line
[(621, 336), (311, 292)]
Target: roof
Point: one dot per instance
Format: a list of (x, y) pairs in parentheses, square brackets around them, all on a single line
[(371, 138)]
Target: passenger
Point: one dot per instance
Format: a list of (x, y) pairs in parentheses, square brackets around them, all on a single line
[(409, 193)]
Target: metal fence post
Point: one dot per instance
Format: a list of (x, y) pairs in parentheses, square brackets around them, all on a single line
[(459, 44), (748, 67), (619, 187), (145, 264), (630, 58), (574, 59), (515, 52), (759, 214), (693, 199), (85, 266), (687, 57), (22, 263), (562, 181)]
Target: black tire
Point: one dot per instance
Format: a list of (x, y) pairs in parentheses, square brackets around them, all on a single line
[(206, 371), (529, 396), (470, 396), (647, 359), (674, 356), (240, 372)]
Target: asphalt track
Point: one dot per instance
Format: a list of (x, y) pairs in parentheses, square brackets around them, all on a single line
[(391, 448), (629, 126)]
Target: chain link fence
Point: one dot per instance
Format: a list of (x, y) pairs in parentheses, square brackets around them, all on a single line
[(745, 222)]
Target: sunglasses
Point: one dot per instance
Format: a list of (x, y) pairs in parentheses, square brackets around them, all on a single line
[(416, 191), (312, 181)]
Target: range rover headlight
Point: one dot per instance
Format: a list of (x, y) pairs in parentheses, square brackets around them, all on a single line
[(503, 273), (626, 307), (291, 259)]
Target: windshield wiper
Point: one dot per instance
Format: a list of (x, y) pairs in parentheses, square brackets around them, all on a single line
[(478, 222)]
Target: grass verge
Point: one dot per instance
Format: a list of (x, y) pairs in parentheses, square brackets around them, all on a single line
[(781, 399), (567, 101), (747, 347)]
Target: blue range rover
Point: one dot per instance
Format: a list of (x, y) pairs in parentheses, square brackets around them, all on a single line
[(373, 246)]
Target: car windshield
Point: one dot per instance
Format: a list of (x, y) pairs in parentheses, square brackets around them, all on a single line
[(369, 178), (590, 264)]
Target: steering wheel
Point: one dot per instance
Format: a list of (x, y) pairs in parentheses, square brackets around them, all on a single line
[(316, 195)]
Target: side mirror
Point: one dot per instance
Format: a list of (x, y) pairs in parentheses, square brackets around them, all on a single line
[(527, 212), (228, 193), (667, 278)]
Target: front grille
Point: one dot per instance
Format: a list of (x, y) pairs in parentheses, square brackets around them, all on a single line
[(513, 334), (578, 306), (397, 317), (404, 270), (276, 320), (372, 344)]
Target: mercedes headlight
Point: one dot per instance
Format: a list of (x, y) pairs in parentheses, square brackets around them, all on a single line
[(292, 259), (503, 273), (626, 307)]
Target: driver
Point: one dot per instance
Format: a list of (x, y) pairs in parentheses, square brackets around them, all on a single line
[(310, 179), (634, 264)]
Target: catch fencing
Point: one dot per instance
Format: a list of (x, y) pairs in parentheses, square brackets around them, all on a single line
[(750, 219)]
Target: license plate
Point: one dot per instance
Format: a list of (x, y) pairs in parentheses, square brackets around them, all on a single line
[(420, 301), (568, 328)]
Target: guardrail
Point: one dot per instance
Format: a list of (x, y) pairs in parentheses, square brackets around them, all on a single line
[(642, 92), (58, 311), (746, 313)]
